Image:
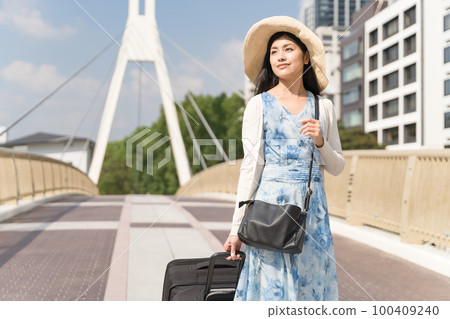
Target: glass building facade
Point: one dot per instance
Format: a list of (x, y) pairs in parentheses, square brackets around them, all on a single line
[(337, 13)]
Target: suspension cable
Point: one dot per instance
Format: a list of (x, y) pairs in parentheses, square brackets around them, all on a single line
[(204, 67), (188, 125), (171, 96), (208, 128), (139, 98), (194, 141), (200, 114), (59, 87), (91, 104)]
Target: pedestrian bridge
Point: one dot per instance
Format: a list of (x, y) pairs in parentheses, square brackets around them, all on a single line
[(117, 248), (90, 247)]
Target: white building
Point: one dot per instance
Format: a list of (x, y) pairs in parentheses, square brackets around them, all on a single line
[(4, 136), (404, 96), (446, 72), (336, 13), (330, 40), (79, 154)]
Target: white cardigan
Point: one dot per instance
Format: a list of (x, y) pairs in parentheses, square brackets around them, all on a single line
[(331, 157)]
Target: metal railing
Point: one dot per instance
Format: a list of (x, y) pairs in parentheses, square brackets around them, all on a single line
[(405, 192), (28, 176)]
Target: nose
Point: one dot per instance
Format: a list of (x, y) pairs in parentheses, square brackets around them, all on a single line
[(281, 56)]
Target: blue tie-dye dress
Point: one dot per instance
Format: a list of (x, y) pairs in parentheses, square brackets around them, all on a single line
[(310, 275)]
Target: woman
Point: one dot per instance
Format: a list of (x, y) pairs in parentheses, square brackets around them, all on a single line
[(286, 62)]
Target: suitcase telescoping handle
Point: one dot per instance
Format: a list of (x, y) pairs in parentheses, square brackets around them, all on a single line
[(212, 262)]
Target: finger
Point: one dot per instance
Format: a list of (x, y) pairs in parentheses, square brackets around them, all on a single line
[(309, 126), (310, 131), (305, 120), (309, 121), (233, 250)]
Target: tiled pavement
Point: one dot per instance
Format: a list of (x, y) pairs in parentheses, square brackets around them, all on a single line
[(117, 247)]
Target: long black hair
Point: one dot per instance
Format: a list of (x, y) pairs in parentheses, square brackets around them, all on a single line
[(267, 79)]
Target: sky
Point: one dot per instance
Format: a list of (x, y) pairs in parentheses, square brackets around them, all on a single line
[(46, 41)]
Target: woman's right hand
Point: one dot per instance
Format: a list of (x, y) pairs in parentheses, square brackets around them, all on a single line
[(233, 244)]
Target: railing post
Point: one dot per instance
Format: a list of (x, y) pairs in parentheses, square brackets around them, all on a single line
[(351, 218), (43, 178), (405, 234), (17, 177), (33, 188)]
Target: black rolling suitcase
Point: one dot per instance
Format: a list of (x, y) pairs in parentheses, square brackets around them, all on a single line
[(210, 279)]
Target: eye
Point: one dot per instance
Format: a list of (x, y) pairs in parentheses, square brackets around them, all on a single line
[(289, 49), (273, 51)]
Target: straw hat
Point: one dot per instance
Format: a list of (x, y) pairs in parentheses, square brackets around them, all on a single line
[(255, 46)]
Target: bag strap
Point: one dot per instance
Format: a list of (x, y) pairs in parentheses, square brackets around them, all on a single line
[(309, 190), (250, 201)]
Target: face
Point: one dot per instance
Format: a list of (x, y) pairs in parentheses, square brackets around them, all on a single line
[(287, 58)]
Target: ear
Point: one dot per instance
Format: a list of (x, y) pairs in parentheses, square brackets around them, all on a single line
[(306, 57)]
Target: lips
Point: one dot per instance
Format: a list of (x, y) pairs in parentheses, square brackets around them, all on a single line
[(282, 65)]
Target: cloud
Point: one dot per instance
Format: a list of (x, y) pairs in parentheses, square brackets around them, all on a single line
[(228, 64), (43, 78), (184, 83), (23, 16)]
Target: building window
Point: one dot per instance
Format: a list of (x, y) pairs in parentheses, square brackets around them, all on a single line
[(390, 108), (351, 96), (352, 119), (390, 81), (390, 54), (447, 22), (352, 49), (410, 74), (373, 87), (352, 72), (390, 136), (409, 17), (409, 45), (447, 87), (390, 28), (373, 62), (373, 38), (447, 55), (373, 113), (409, 103), (447, 120), (327, 38), (409, 133)]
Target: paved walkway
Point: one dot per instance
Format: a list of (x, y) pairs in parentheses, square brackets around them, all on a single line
[(117, 248)]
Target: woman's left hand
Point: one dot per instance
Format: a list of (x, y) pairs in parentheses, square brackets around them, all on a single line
[(311, 127)]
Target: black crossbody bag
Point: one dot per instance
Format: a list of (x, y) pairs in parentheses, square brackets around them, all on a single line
[(277, 227)]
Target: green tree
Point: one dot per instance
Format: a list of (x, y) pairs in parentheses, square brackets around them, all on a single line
[(116, 177), (356, 138), (223, 114)]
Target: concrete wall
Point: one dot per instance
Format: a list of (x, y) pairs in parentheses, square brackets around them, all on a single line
[(26, 176), (76, 155)]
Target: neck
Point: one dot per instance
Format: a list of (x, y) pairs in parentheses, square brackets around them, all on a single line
[(292, 87)]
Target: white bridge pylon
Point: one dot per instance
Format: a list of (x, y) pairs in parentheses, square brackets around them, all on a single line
[(141, 43)]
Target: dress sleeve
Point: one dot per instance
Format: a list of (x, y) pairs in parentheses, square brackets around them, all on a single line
[(253, 161), (331, 151)]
